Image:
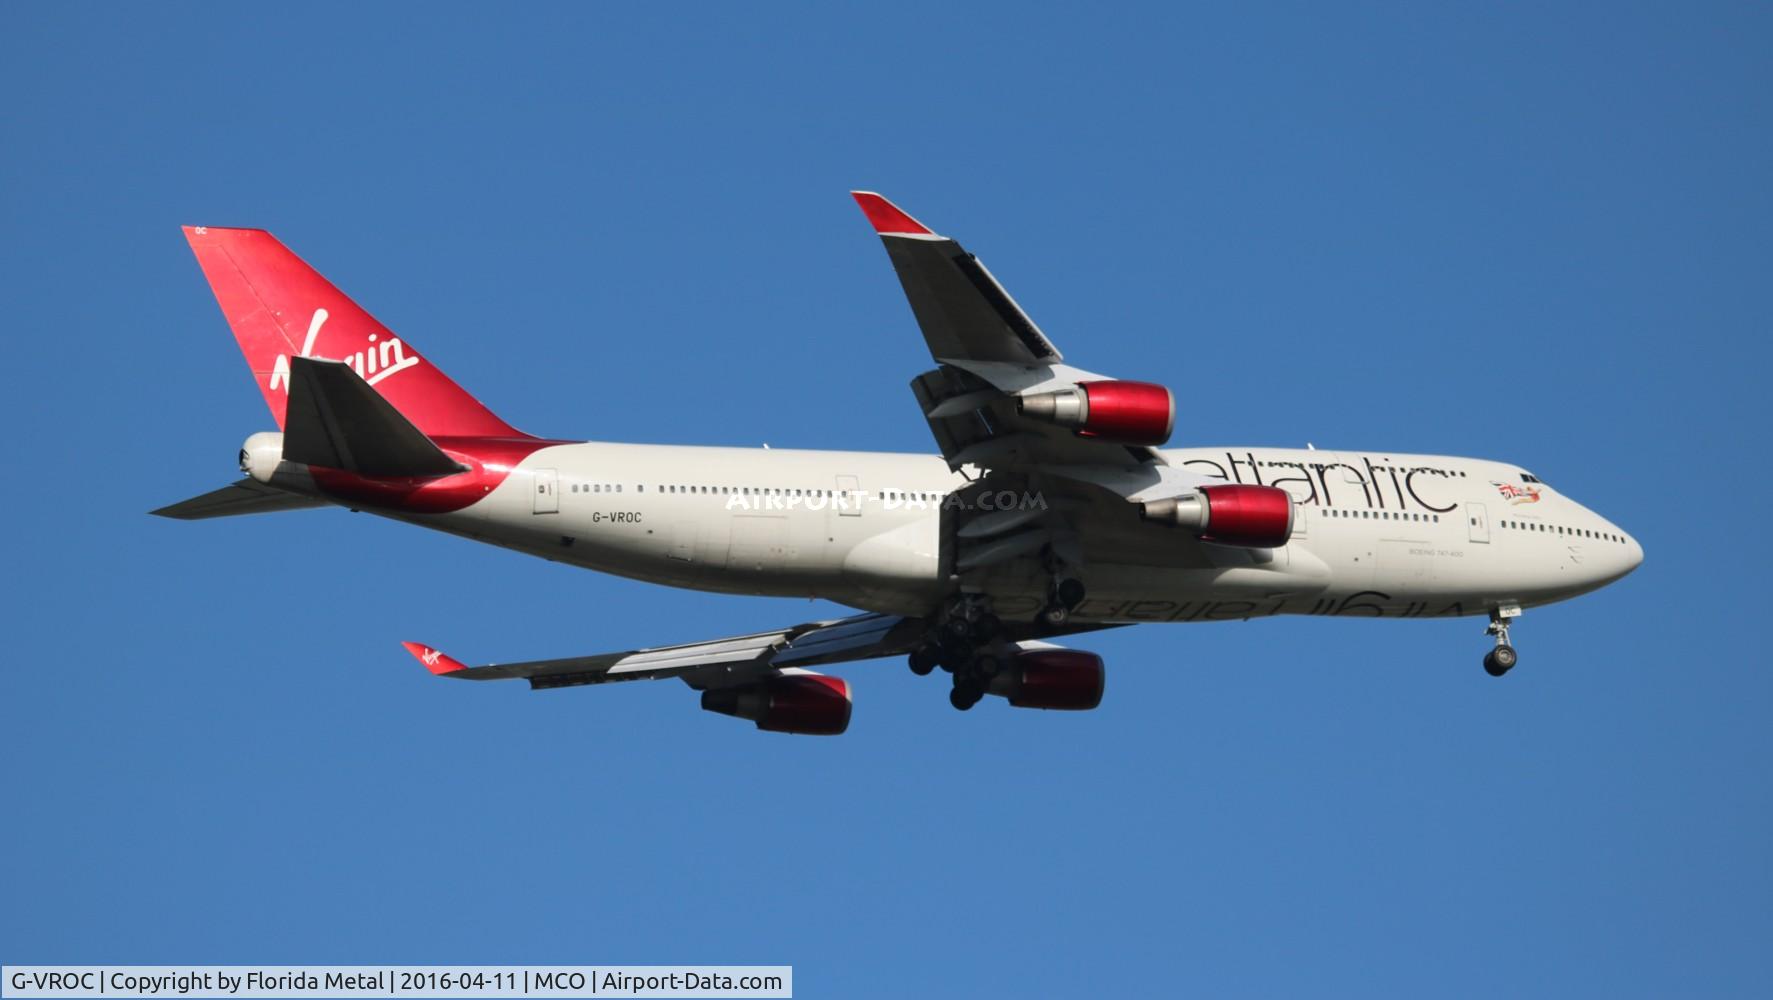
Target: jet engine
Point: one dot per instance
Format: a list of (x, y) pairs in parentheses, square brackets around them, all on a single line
[(805, 703), (1231, 514), (1139, 413), (1067, 679)]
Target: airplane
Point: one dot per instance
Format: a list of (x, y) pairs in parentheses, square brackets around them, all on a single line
[(1051, 506)]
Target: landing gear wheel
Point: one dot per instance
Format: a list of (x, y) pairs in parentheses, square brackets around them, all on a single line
[(1069, 593), (923, 661), (986, 666), (1500, 660), (964, 696), (1055, 615)]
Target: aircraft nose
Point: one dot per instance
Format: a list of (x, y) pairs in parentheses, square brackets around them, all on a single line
[(1626, 555)]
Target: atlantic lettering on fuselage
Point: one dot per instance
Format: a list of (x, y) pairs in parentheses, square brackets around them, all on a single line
[(1379, 485)]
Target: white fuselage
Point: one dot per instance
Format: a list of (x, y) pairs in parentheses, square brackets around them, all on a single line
[(1376, 534)]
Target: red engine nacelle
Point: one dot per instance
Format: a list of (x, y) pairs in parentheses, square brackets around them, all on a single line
[(809, 704), (1231, 514), (1260, 516), (1066, 679), (1126, 412)]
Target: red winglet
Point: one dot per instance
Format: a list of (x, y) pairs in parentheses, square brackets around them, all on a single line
[(434, 660), (888, 218)]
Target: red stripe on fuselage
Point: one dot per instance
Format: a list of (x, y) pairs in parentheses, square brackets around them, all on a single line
[(489, 462)]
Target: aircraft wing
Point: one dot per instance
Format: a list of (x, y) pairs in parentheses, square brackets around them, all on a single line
[(711, 664), (989, 354), (723, 662), (994, 366)]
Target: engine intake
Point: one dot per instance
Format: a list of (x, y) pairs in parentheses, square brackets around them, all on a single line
[(809, 704), (1063, 679), (1232, 514), (1140, 413)]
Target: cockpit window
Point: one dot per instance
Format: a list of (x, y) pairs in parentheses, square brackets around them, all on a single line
[(1528, 477)]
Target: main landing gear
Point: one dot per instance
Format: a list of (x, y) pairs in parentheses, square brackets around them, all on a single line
[(960, 644), (967, 641), (1502, 659)]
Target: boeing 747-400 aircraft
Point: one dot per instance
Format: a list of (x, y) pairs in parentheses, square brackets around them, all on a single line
[(1047, 510)]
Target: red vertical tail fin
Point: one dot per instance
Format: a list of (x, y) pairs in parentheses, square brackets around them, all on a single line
[(280, 308)]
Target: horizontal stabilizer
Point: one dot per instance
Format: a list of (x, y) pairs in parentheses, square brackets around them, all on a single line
[(248, 496), (336, 420)]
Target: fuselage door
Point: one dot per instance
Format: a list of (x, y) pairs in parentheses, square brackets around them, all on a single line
[(1478, 520), (683, 540), (547, 497), (849, 496)]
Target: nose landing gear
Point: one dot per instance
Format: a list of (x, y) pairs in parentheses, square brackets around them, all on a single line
[(1502, 659)]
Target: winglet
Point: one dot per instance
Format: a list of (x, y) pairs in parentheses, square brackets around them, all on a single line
[(889, 219), (434, 660)]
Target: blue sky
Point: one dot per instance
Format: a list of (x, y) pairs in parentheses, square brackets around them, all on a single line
[(1538, 234)]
